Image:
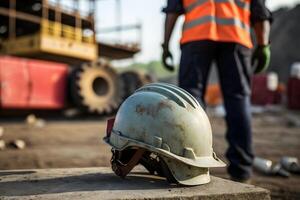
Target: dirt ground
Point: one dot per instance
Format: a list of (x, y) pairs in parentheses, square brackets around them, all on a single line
[(78, 143)]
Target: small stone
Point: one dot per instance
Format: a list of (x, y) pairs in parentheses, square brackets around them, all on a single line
[(31, 119), (72, 112), (40, 123), (1, 131), (18, 144), (2, 145), (293, 121)]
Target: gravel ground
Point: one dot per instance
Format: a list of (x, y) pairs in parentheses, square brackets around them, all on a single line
[(78, 143)]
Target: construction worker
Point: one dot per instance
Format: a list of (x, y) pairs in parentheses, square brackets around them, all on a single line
[(219, 31)]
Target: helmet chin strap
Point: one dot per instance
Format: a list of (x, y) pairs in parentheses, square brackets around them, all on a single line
[(157, 166), (123, 162), (121, 169)]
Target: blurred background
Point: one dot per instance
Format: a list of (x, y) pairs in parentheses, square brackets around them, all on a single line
[(67, 65)]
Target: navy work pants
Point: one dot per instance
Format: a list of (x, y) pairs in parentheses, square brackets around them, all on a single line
[(234, 70)]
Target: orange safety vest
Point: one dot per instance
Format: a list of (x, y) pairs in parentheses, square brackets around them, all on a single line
[(217, 20)]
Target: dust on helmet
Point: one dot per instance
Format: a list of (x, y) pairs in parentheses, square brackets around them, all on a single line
[(164, 128)]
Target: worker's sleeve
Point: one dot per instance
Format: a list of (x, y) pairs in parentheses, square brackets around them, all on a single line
[(259, 11), (174, 6)]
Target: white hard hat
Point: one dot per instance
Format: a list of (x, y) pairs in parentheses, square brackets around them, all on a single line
[(169, 122)]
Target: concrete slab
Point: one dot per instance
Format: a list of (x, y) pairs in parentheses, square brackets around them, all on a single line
[(101, 183)]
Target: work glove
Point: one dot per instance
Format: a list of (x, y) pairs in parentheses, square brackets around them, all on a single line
[(167, 58), (261, 58)]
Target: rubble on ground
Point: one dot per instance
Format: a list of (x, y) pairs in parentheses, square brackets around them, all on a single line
[(72, 112), (2, 145), (267, 167), (293, 120), (1, 131), (32, 120), (18, 144)]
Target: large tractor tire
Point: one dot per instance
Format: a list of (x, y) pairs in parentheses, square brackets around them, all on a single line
[(134, 80), (96, 87)]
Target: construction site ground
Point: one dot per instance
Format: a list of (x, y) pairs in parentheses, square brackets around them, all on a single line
[(63, 142)]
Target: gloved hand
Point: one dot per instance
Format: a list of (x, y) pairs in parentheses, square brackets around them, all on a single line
[(261, 58), (167, 56)]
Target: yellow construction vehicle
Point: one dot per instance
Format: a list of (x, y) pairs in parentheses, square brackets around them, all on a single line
[(46, 30)]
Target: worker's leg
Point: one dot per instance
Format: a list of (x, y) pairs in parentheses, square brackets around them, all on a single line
[(196, 58), (234, 67)]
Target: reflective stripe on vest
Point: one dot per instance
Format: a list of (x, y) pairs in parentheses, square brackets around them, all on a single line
[(218, 20)]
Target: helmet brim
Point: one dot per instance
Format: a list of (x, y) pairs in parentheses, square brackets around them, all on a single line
[(186, 174), (202, 162)]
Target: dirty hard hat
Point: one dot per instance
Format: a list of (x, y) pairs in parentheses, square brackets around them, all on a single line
[(164, 128)]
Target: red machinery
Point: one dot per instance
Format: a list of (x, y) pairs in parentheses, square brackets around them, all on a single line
[(32, 84)]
